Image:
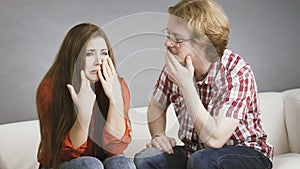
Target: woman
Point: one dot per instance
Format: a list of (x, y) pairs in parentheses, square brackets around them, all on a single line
[(76, 131)]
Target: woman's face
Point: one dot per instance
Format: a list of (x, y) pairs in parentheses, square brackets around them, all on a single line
[(96, 51)]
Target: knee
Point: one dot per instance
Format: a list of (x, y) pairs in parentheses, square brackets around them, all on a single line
[(202, 159), (141, 162), (145, 158), (90, 163), (119, 161)]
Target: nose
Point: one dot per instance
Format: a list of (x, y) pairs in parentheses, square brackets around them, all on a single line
[(98, 59), (169, 43)]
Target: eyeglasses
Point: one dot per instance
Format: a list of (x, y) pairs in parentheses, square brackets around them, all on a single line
[(174, 41)]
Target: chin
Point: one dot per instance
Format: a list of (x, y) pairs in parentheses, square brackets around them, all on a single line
[(93, 79)]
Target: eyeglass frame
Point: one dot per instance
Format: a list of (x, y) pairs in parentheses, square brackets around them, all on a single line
[(165, 32)]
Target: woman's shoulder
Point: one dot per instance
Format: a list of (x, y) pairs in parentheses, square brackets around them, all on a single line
[(46, 85), (44, 91)]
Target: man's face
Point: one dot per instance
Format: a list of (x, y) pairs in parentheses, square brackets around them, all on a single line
[(178, 40)]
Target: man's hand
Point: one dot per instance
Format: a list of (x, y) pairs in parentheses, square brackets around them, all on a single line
[(178, 73), (162, 143)]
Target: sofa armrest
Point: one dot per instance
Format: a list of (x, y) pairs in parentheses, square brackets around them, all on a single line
[(292, 118), (19, 144)]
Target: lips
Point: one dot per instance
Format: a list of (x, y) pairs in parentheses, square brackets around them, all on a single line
[(94, 71)]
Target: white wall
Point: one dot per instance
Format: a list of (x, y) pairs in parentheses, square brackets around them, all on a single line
[(265, 33)]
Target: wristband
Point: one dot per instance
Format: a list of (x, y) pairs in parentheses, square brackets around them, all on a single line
[(156, 135)]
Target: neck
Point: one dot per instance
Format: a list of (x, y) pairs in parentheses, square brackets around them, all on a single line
[(201, 74)]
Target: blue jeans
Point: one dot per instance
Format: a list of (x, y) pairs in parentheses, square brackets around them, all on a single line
[(88, 162), (118, 162), (228, 157)]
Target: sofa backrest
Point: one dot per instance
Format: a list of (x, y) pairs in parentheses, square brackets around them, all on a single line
[(272, 108), (19, 141), (273, 120)]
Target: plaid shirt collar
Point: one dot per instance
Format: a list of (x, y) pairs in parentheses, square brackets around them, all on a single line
[(214, 69), (212, 72)]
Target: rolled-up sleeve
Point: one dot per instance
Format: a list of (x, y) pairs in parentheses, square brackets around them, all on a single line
[(69, 151), (113, 145)]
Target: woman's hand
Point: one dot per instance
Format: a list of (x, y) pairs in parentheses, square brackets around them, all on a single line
[(85, 98), (109, 80), (162, 143), (178, 73)]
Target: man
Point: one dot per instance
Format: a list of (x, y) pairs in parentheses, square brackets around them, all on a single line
[(214, 94)]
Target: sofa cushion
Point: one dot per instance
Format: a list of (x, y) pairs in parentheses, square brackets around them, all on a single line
[(287, 161), (140, 135), (292, 118), (271, 107), (19, 144)]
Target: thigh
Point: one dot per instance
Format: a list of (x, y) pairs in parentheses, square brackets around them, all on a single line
[(119, 161), (154, 159), (229, 157), (86, 162)]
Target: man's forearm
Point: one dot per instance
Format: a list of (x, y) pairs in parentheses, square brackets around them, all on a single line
[(204, 123), (156, 116)]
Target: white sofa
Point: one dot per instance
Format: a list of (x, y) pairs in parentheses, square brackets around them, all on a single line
[(280, 115)]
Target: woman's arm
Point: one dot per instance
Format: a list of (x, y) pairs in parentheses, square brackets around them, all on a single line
[(116, 132), (116, 117), (84, 102)]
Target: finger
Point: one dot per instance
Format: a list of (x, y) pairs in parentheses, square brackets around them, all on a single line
[(163, 144), (83, 79), (101, 77), (156, 144), (72, 92), (169, 64), (148, 145), (109, 72), (173, 142), (88, 82), (167, 58), (189, 64), (167, 146), (111, 65), (105, 69), (173, 60)]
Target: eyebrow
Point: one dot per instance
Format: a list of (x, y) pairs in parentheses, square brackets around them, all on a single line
[(102, 50), (175, 34)]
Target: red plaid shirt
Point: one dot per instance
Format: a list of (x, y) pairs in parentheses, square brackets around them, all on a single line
[(229, 90)]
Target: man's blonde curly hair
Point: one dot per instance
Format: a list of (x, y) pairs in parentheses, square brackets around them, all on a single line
[(208, 23)]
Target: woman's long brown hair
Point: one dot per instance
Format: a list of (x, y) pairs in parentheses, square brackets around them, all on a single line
[(61, 107)]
